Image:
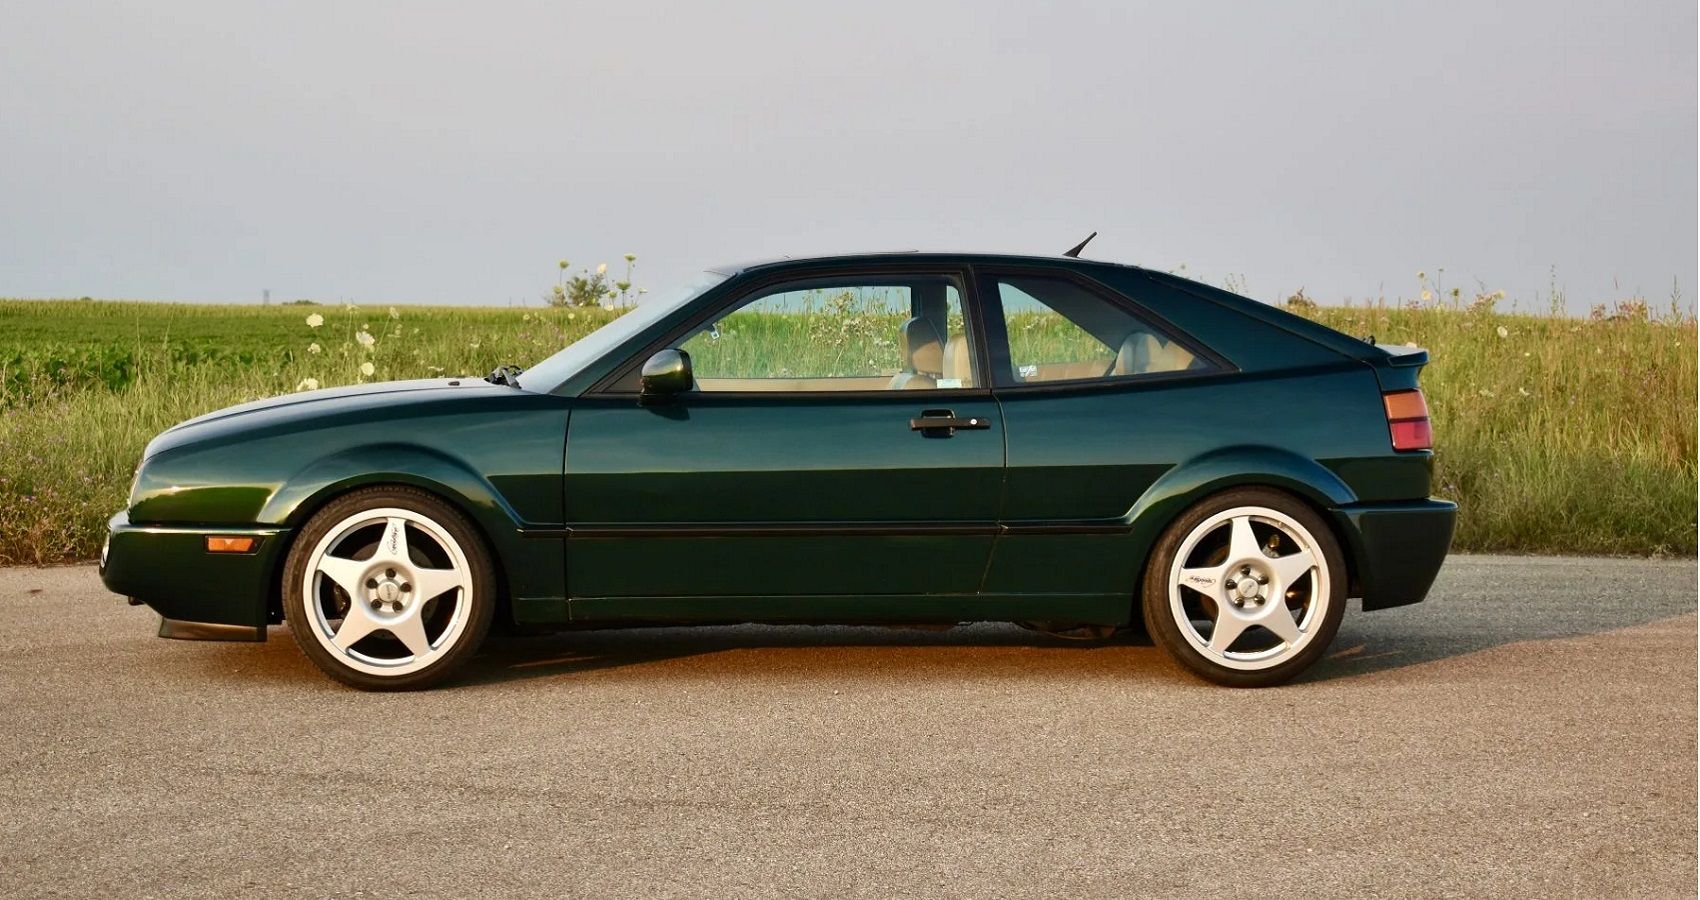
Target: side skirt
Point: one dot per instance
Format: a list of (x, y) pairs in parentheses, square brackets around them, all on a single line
[(1087, 609)]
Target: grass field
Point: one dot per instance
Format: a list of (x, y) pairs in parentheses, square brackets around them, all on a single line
[(1555, 435)]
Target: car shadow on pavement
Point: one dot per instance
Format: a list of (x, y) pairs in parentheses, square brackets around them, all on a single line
[(1477, 604), (993, 649)]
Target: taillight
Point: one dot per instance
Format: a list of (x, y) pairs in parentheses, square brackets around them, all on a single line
[(1407, 420)]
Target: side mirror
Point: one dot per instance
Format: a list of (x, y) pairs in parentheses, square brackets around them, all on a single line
[(666, 373)]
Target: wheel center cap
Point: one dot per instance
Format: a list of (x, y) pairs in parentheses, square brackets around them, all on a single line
[(1247, 588), (388, 591)]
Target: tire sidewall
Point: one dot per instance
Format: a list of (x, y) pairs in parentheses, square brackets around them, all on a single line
[(1165, 631), (482, 603)]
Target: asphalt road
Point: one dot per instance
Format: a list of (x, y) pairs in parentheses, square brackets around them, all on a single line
[(1530, 730)]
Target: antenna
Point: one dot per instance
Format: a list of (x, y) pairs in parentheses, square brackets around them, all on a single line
[(1075, 252)]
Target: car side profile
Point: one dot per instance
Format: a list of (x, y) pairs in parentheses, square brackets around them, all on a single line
[(901, 438)]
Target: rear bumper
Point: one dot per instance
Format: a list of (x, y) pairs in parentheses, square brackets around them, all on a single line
[(1397, 548), (169, 569)]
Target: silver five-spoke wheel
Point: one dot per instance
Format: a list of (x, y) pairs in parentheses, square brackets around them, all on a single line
[(1246, 588), (388, 588)]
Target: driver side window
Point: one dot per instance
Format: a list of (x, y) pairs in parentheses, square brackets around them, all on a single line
[(887, 333)]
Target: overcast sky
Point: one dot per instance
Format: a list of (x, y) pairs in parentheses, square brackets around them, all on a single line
[(453, 153)]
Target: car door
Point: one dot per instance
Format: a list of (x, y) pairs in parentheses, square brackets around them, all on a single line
[(840, 446)]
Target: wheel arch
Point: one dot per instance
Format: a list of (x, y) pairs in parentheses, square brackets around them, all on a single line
[(323, 480), (1305, 480)]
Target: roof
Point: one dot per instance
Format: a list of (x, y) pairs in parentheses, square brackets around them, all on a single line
[(907, 255)]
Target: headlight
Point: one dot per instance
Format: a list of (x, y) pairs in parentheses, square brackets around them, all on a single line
[(135, 479)]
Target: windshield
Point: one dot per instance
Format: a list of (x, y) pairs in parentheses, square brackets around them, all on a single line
[(550, 373)]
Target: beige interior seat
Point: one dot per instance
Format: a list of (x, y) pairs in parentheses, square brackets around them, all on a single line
[(1143, 352), (958, 365), (924, 354)]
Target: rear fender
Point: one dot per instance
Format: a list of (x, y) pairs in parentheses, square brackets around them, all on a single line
[(1220, 470)]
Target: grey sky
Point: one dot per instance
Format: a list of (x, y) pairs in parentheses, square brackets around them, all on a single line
[(454, 152)]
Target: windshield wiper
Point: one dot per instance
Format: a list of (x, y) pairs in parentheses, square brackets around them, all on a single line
[(508, 375)]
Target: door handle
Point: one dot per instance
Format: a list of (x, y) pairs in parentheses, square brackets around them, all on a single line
[(944, 423)]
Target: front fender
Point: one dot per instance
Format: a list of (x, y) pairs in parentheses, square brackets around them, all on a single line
[(531, 569), (309, 487)]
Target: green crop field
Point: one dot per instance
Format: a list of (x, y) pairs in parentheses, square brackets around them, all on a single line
[(1555, 434)]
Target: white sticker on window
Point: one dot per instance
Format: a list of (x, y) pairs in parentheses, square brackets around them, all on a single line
[(1028, 371), (950, 382)]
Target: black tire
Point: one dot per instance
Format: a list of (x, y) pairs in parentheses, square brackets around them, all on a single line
[(481, 603), (1166, 632)]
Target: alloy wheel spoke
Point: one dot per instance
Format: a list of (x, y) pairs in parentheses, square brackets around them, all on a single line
[(1207, 580), (429, 583), (1243, 543), (345, 572), (356, 624), (1279, 620), (1292, 567), (1228, 629), (393, 545), (410, 630)]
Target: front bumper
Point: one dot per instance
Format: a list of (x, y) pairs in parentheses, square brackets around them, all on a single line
[(1397, 548), (169, 568)]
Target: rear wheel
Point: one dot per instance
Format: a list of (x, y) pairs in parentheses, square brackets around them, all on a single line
[(1246, 588), (388, 589)]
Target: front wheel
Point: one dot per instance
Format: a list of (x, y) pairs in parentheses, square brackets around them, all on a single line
[(388, 589), (1246, 588)]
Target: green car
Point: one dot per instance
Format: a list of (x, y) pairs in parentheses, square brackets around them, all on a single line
[(889, 438)]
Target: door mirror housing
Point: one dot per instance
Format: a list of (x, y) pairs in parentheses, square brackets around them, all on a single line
[(665, 374)]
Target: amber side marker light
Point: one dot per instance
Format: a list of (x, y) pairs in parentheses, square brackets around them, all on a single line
[(229, 544), (1407, 420)]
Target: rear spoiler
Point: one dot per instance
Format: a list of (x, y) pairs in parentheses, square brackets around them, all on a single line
[(1397, 366), (1401, 355)]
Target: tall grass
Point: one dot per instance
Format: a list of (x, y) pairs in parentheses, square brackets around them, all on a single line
[(1556, 435)]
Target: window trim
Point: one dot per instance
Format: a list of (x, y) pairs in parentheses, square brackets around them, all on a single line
[(972, 317), (997, 334)]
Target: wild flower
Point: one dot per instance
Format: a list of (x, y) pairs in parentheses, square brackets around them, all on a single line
[(308, 384), (315, 320), (366, 369), (314, 348), (1427, 295), (365, 339), (602, 269), (1502, 331), (1484, 302), (631, 257), (395, 313), (1633, 309)]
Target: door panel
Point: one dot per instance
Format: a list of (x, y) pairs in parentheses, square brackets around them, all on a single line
[(780, 495)]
